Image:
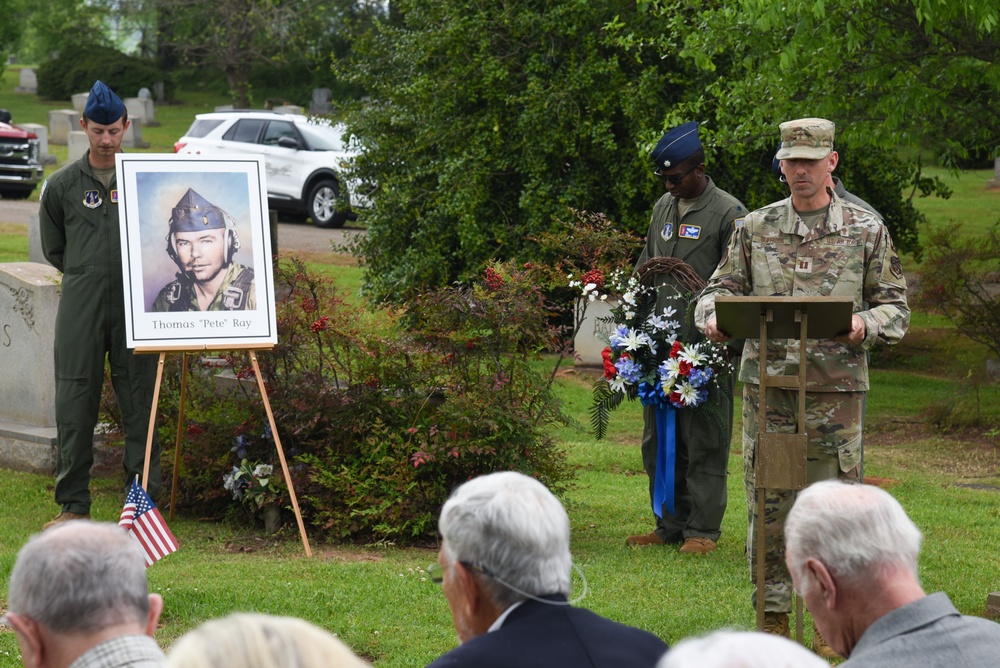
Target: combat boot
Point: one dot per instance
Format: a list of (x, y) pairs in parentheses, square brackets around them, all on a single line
[(65, 516), (820, 647), (776, 623)]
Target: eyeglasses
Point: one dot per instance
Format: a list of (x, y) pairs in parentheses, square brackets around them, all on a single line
[(436, 571), (674, 179)]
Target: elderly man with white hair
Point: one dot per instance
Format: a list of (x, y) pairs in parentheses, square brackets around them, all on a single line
[(78, 597), (505, 568), (852, 553), (740, 649)]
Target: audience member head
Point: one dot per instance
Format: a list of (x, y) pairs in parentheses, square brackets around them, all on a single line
[(505, 538), (852, 553), (76, 585), (740, 649), (252, 640)]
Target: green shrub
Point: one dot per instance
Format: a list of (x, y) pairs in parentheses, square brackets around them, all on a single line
[(75, 71), (380, 421)]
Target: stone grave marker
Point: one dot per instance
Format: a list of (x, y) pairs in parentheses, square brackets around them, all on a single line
[(27, 81), (80, 101), (61, 123)]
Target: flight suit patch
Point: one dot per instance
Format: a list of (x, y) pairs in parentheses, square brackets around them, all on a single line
[(689, 232), (667, 232), (92, 199)]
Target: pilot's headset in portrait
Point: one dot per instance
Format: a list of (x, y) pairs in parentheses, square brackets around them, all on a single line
[(194, 213)]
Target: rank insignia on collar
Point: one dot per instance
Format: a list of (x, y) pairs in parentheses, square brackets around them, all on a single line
[(92, 199), (689, 232), (667, 232), (114, 196)]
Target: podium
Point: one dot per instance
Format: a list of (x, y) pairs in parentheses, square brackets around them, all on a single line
[(780, 459)]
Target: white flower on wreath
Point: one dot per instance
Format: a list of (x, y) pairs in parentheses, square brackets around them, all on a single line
[(693, 355)]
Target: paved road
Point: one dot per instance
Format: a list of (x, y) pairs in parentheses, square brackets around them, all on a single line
[(300, 237)]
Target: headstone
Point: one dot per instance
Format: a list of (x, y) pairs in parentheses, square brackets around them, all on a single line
[(133, 135), (995, 181), (27, 82), (29, 299), (290, 109), (78, 145), (80, 101), (35, 253), (320, 103), (590, 339), (61, 123), (140, 109), (160, 92), (145, 93), (224, 107), (42, 133), (993, 605)]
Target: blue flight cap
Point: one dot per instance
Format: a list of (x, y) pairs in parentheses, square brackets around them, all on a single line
[(775, 163), (194, 213), (676, 146), (103, 106)]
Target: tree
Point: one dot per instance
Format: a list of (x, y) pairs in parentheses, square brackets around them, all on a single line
[(488, 120)]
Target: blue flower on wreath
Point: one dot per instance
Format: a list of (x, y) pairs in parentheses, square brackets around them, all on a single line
[(628, 369), (700, 377)]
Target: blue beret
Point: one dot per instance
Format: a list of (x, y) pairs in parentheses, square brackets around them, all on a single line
[(676, 146), (194, 213), (103, 106)]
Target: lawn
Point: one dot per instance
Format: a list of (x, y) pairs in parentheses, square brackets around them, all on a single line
[(378, 599)]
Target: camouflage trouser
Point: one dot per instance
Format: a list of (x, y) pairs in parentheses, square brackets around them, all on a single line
[(833, 425)]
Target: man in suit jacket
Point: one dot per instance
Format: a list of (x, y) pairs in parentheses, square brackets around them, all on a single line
[(504, 565), (852, 553)]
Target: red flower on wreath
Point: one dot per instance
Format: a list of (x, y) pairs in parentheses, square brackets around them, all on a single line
[(610, 371)]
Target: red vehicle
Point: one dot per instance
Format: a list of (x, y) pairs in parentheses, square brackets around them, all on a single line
[(20, 163)]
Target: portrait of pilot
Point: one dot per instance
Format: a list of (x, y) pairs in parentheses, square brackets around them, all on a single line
[(202, 242)]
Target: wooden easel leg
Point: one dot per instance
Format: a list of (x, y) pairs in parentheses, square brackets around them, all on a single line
[(152, 421), (180, 432), (281, 453)]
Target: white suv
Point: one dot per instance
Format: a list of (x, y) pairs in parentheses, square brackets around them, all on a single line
[(305, 159)]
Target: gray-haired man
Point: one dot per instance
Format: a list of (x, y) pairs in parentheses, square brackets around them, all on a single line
[(852, 553), (78, 597), (505, 569)]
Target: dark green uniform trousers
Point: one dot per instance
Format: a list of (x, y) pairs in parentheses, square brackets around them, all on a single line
[(87, 332), (702, 446)]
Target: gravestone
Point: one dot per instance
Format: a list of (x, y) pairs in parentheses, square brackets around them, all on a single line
[(133, 135), (27, 82), (320, 103), (994, 183), (289, 109), (61, 123), (78, 144), (160, 92), (29, 300), (80, 101), (29, 297), (590, 339), (42, 133), (35, 253), (141, 109), (224, 107), (145, 93)]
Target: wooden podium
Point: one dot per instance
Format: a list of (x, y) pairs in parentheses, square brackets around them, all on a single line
[(780, 459)]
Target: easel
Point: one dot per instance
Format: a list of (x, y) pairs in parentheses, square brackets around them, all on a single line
[(252, 349), (780, 459)]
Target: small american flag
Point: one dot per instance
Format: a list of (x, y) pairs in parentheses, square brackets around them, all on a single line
[(145, 523)]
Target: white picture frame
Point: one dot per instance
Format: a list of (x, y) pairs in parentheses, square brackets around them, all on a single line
[(150, 186)]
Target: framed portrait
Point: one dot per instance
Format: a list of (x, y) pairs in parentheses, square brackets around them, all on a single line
[(196, 252)]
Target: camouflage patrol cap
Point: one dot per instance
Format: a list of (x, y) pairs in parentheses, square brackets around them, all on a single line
[(806, 138), (194, 213)]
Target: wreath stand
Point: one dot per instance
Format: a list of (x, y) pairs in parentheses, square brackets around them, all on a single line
[(180, 424), (780, 459)]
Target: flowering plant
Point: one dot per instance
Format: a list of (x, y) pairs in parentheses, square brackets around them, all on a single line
[(252, 482), (645, 357)]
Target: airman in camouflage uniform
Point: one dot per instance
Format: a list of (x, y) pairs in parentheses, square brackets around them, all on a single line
[(811, 244)]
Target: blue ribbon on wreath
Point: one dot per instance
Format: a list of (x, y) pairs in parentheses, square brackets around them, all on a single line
[(666, 446)]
